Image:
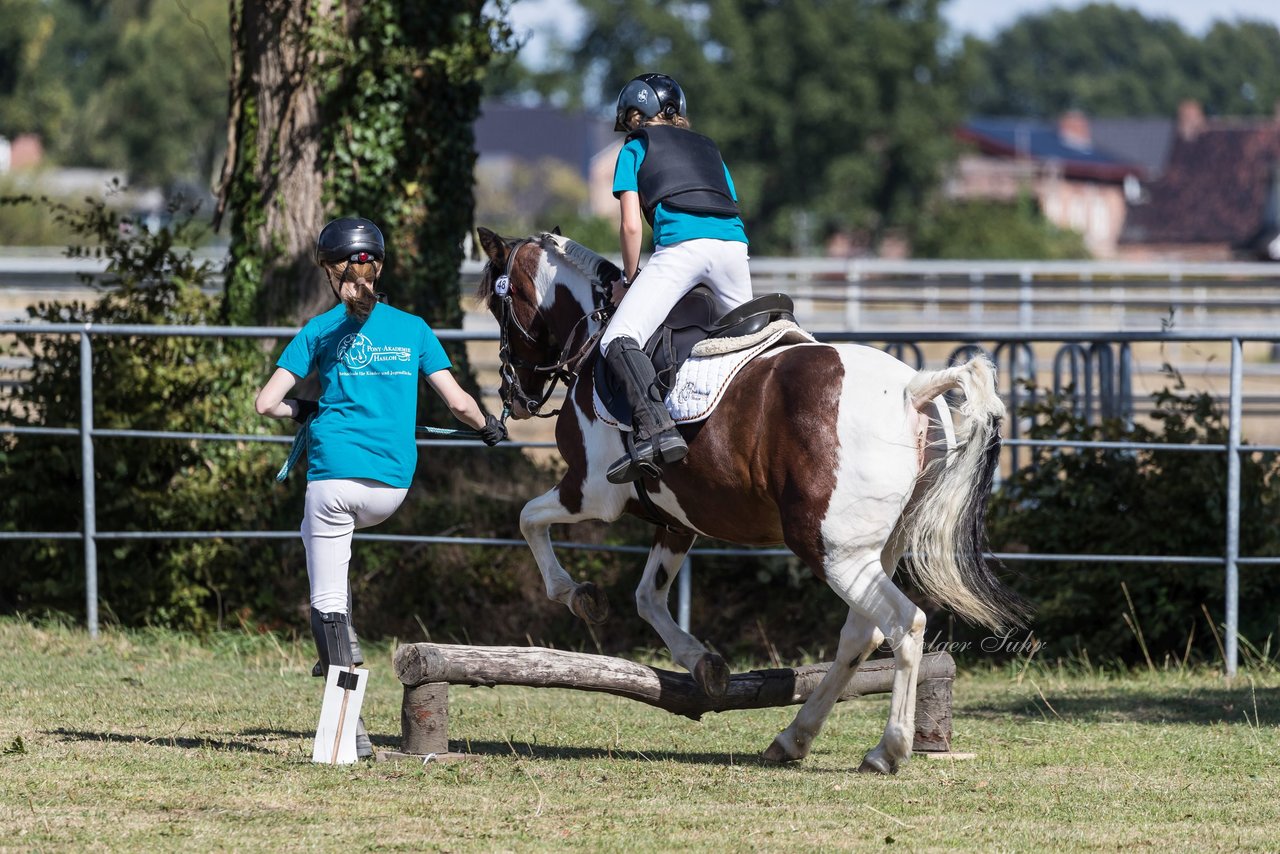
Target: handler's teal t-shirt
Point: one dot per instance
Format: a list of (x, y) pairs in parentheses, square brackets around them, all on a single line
[(671, 226), (368, 391)]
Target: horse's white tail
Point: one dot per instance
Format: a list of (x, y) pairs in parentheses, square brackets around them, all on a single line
[(945, 528)]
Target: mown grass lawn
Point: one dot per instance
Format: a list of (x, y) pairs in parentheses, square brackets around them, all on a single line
[(157, 741)]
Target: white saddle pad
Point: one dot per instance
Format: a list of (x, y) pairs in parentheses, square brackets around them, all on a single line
[(701, 381)]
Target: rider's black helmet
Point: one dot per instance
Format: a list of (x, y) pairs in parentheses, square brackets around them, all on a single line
[(349, 238), (650, 94)]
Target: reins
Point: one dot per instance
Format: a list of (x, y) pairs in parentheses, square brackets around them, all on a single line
[(300, 440)]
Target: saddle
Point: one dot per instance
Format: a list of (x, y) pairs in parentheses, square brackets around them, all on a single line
[(692, 321)]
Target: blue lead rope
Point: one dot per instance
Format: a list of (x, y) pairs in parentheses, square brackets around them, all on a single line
[(450, 432), (299, 442), (457, 433)]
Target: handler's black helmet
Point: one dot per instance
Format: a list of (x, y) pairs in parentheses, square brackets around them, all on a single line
[(650, 94), (348, 238)]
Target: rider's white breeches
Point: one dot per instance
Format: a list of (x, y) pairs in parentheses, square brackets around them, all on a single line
[(334, 509), (671, 272)]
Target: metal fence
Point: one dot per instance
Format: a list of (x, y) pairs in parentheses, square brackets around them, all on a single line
[(1013, 348), (900, 295)]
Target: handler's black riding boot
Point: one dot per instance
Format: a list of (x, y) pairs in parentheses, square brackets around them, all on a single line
[(357, 656), (336, 643), (657, 440)]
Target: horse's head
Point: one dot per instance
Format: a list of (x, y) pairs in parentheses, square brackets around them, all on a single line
[(548, 295)]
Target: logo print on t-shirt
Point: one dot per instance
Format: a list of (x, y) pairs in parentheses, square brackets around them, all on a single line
[(355, 351)]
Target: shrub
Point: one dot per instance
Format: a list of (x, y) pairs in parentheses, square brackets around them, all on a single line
[(1144, 503), (186, 384), (993, 229)]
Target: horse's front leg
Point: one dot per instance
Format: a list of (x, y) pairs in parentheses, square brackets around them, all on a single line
[(665, 559), (585, 599)]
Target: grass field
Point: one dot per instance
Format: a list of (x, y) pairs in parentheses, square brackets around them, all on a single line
[(155, 741)]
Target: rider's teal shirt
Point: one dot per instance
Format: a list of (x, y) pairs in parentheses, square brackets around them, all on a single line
[(368, 391), (669, 226)]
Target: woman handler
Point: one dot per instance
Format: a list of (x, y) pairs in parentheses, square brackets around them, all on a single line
[(361, 449)]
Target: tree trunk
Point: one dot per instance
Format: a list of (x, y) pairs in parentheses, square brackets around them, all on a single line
[(352, 107), (273, 178)]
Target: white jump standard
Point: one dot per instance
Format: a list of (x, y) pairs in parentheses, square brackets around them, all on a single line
[(427, 670)]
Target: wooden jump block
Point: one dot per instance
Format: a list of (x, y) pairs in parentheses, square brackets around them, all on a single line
[(427, 670)]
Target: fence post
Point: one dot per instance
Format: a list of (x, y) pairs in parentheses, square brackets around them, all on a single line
[(1025, 305), (684, 593), (89, 504), (1233, 507)]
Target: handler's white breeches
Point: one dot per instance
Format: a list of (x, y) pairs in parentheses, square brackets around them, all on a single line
[(334, 509), (673, 271)]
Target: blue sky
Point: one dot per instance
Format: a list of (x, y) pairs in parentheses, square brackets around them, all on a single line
[(544, 19), (985, 17)]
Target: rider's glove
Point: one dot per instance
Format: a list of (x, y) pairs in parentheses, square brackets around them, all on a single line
[(304, 409), (493, 431)]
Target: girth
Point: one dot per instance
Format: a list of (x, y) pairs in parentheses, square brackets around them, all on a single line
[(692, 320)]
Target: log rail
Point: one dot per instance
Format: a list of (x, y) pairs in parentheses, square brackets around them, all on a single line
[(427, 670)]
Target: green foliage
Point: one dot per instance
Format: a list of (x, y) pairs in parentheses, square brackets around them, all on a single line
[(118, 83), (28, 225), (171, 383), (46, 58), (1137, 502), (839, 112), (1113, 61), (400, 89), (1240, 68), (992, 229)]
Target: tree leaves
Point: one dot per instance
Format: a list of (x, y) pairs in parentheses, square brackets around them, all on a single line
[(834, 114), (1112, 61)]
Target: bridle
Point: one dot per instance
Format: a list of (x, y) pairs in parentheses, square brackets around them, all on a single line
[(565, 369)]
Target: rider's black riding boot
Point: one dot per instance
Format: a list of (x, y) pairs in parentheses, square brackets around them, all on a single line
[(656, 439), (336, 643)]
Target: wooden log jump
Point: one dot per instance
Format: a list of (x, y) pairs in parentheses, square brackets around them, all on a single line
[(427, 670)]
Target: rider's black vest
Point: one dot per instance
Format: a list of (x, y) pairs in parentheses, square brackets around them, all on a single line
[(684, 171)]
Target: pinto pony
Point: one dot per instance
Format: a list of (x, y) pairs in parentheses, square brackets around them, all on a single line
[(842, 453)]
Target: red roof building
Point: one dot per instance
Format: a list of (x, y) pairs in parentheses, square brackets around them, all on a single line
[(1078, 171), (1219, 196)]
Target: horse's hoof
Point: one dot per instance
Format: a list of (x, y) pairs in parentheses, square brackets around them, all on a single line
[(778, 752), (874, 764), (589, 603), (712, 675)]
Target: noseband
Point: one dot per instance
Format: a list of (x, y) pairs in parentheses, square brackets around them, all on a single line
[(564, 369)]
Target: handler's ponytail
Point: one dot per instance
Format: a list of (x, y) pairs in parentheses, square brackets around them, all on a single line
[(361, 305)]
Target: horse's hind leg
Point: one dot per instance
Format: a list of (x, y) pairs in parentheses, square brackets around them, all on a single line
[(903, 625), (586, 600), (665, 557), (906, 633), (877, 610), (858, 639)]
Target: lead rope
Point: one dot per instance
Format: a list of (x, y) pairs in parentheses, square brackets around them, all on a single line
[(458, 432), (300, 440)]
